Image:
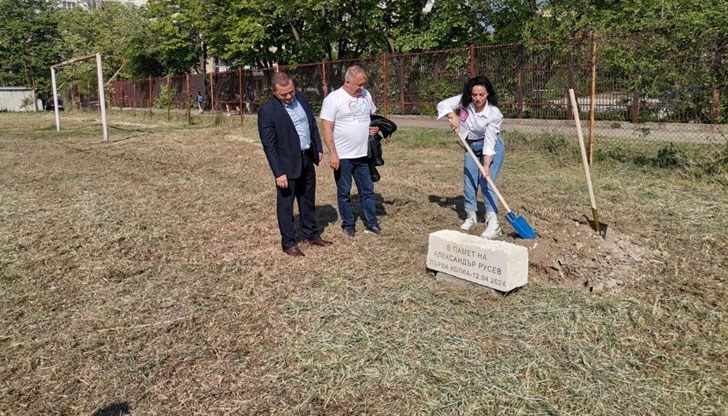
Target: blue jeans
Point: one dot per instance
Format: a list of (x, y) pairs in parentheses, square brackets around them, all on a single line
[(472, 176), (358, 169)]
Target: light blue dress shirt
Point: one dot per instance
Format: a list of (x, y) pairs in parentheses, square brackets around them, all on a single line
[(300, 122)]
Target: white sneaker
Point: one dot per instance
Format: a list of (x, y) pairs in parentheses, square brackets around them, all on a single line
[(493, 229), (469, 223)]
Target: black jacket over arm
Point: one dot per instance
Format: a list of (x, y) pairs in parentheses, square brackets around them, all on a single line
[(281, 143)]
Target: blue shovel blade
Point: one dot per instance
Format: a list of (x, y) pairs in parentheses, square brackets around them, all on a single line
[(521, 226)]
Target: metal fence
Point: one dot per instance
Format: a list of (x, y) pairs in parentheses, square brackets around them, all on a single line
[(532, 85)]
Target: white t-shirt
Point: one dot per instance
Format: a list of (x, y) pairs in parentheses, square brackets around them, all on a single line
[(351, 118), (475, 126)]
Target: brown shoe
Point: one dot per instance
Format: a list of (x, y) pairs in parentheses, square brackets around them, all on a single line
[(318, 241), (294, 251)]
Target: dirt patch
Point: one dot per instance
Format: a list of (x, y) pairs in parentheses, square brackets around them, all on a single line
[(252, 140), (572, 253)]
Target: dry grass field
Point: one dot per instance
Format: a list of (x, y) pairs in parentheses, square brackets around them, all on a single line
[(143, 276)]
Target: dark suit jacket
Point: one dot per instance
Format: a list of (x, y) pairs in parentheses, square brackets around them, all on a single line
[(281, 143)]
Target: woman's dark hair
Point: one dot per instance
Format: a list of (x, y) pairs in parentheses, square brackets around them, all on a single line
[(468, 89)]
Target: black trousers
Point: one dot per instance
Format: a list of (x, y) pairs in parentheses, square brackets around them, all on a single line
[(302, 190)]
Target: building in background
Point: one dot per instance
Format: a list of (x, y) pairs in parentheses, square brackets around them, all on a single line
[(214, 64), (17, 99)]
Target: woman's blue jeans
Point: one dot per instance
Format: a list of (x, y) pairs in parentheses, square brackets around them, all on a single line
[(472, 177)]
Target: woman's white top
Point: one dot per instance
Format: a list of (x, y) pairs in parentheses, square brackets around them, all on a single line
[(485, 125)]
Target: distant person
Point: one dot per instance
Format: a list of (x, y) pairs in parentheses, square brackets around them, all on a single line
[(292, 145), (248, 99), (236, 97), (475, 114), (229, 111), (199, 99), (346, 118)]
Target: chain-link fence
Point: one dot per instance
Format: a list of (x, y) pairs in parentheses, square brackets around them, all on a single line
[(674, 123)]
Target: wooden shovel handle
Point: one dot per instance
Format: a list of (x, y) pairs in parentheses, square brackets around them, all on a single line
[(584, 161), (482, 171)]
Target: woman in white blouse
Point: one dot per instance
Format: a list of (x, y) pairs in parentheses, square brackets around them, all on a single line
[(475, 114)]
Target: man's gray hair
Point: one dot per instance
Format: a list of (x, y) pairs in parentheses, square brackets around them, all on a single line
[(353, 71), (280, 78)]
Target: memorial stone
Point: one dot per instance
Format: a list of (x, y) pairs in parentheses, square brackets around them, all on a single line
[(496, 264)]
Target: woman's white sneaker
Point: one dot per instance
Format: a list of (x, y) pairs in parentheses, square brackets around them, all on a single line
[(493, 229), (469, 223)]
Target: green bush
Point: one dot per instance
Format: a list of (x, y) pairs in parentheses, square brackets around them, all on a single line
[(555, 143), (669, 157), (166, 97), (548, 143), (698, 162), (434, 91), (617, 153), (716, 166)]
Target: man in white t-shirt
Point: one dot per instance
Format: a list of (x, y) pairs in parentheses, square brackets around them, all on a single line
[(345, 116)]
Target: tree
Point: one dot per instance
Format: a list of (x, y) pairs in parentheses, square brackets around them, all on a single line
[(670, 50), (448, 24), (509, 18), (177, 25), (262, 33), (120, 33), (30, 43)]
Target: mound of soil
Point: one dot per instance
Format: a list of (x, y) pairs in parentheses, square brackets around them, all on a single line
[(571, 253)]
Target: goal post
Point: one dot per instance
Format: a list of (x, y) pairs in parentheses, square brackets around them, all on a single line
[(99, 76)]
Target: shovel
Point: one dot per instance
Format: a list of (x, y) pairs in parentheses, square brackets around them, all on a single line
[(601, 229), (517, 222)]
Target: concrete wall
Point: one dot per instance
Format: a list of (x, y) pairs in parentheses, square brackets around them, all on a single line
[(11, 99)]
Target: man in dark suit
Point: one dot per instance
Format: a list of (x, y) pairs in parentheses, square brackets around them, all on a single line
[(292, 146)]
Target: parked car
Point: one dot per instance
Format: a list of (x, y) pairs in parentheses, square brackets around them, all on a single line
[(49, 105)]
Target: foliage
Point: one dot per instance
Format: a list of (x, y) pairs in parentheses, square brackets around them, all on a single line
[(448, 24), (166, 97), (30, 45), (263, 33), (718, 166), (120, 33), (28, 103), (699, 162), (640, 41), (551, 144), (177, 26), (508, 18), (668, 157), (644, 50), (36, 35), (441, 89)]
